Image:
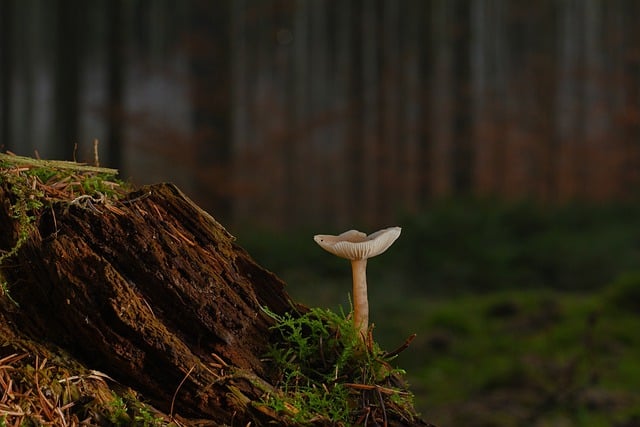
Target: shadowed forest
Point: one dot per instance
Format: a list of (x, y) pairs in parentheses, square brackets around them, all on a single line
[(503, 136), (323, 112)]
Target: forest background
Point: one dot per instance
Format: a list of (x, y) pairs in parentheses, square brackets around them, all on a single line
[(501, 135)]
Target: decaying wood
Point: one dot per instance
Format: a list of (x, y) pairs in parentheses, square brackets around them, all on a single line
[(147, 292)]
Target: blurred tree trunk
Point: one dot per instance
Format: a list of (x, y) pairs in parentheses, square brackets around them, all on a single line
[(426, 115), (331, 79), (301, 152), (410, 87), (629, 99), (343, 106), (462, 148), (320, 91), (391, 102), (115, 82), (210, 63), (6, 73), (28, 29), (518, 152), (281, 134), (355, 132), (614, 26), (442, 100), (568, 100), (599, 145), (242, 132), (68, 75), (371, 138), (484, 53)]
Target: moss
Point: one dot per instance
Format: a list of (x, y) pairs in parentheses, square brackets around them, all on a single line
[(326, 374), (33, 185)]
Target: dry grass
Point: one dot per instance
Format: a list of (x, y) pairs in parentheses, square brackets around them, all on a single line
[(34, 391), (37, 391)]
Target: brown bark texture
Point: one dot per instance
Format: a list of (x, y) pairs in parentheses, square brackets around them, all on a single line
[(151, 291), (146, 292)]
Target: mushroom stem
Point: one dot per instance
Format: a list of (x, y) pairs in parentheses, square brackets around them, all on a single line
[(360, 299)]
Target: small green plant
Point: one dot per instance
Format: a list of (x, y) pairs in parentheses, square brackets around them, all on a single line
[(27, 200), (101, 183), (4, 291), (146, 418), (327, 374), (118, 411)]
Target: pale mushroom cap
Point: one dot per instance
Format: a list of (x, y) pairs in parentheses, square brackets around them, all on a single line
[(355, 245)]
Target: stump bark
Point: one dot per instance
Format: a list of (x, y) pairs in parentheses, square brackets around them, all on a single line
[(153, 292), (146, 292)]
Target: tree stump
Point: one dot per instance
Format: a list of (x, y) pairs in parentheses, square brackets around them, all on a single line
[(145, 292), (151, 291)]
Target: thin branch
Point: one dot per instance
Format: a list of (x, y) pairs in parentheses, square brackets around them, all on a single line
[(173, 400), (400, 349)]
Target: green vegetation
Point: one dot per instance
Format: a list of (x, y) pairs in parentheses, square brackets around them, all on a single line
[(524, 315), (329, 376), (126, 410), (27, 200), (477, 246), (481, 246), (526, 358), (535, 357)]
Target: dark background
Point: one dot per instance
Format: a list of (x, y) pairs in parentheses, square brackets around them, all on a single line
[(283, 113)]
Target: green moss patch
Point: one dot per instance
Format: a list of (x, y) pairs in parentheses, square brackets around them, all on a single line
[(327, 374)]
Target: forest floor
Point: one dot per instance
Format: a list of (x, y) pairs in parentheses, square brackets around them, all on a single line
[(124, 306), (524, 315), (501, 357), (512, 358)]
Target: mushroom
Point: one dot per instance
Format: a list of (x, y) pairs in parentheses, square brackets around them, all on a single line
[(358, 247)]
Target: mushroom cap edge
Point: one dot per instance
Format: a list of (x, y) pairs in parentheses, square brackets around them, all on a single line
[(355, 245)]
